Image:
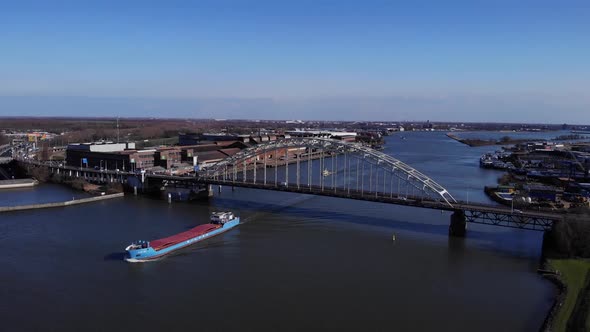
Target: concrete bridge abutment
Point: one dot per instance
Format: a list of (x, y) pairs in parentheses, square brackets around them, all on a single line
[(458, 225)]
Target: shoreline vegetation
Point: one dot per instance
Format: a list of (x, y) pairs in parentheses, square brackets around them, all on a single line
[(564, 249), (572, 307), (473, 142), (507, 140)]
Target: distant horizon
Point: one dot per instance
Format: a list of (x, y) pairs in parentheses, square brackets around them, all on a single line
[(370, 109), (114, 118), (500, 61)]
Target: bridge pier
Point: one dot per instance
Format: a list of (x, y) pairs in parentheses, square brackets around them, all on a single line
[(458, 225)]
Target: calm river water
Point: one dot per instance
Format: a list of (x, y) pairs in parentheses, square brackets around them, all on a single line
[(300, 263)]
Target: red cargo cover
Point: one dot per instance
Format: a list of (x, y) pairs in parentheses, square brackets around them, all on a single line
[(177, 238)]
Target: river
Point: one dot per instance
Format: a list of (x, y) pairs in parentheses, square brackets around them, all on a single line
[(300, 262)]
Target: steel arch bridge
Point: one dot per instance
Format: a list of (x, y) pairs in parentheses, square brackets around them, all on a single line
[(322, 164)]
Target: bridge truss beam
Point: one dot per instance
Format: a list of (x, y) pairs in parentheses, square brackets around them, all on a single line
[(331, 165), (513, 220)]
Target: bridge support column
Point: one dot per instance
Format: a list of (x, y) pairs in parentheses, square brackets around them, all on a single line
[(210, 190), (458, 225)]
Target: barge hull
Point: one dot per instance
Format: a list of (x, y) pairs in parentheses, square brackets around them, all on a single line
[(149, 254)]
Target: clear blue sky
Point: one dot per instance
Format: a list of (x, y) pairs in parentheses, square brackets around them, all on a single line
[(342, 60)]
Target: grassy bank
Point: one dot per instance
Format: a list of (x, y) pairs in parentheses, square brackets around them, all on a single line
[(573, 274)]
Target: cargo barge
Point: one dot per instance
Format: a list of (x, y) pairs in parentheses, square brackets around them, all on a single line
[(142, 251)]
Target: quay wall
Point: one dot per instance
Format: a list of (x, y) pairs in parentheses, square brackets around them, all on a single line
[(19, 183), (59, 204)]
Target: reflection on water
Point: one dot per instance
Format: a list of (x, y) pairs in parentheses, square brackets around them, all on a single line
[(299, 262)]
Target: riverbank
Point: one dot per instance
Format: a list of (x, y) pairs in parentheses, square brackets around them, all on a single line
[(59, 204), (473, 142), (572, 310)]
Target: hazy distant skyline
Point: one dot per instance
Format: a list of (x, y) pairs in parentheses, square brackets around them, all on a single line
[(501, 61)]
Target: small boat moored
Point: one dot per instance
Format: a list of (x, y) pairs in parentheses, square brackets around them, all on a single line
[(142, 251)]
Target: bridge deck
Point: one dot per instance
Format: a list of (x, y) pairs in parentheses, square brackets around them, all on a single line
[(474, 212)]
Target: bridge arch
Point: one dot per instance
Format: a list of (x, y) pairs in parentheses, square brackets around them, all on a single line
[(242, 167)]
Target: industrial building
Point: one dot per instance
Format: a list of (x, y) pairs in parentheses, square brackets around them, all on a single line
[(101, 146), (341, 135), (167, 157), (173, 159), (124, 156), (197, 139), (103, 155)]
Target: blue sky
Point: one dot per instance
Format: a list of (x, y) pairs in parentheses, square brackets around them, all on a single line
[(333, 60)]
